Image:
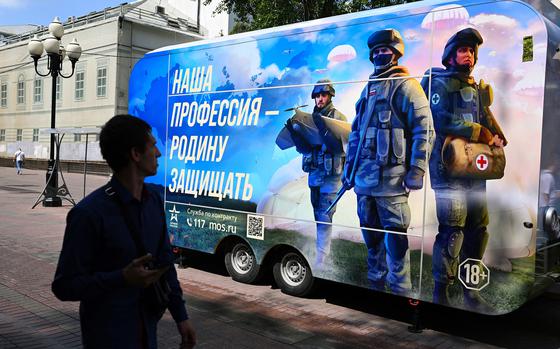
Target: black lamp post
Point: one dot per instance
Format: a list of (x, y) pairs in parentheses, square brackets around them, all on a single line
[(56, 54)]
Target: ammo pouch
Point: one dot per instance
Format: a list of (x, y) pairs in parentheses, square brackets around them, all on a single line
[(328, 163), (333, 164), (383, 137), (399, 146), (369, 146), (307, 162), (463, 159), (338, 165)]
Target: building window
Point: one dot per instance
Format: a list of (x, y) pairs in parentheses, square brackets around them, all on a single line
[(4, 95), (2, 135), (80, 76), (19, 135), (21, 90), (77, 137), (35, 135), (38, 91), (102, 82), (58, 88)]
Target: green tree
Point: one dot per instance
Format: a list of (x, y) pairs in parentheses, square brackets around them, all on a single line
[(259, 14)]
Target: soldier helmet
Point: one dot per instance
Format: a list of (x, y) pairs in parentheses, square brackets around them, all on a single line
[(386, 37), (468, 37), (323, 85)]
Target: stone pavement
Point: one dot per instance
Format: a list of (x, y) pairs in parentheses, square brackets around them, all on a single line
[(226, 314)]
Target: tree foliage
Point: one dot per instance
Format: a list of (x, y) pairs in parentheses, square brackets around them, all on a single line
[(259, 14)]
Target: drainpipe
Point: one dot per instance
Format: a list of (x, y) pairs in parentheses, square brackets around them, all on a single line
[(198, 18)]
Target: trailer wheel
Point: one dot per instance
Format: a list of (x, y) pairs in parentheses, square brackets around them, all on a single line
[(241, 264), (293, 275)]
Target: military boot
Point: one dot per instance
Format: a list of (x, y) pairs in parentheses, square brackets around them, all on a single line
[(472, 300), (441, 293)]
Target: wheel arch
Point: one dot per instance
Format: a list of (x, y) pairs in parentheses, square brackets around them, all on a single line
[(272, 254)]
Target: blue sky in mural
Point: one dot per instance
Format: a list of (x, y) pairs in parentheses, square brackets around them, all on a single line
[(335, 51)]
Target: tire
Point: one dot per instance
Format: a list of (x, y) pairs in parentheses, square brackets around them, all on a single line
[(241, 264), (293, 274)]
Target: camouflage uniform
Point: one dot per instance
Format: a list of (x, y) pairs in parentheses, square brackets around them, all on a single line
[(396, 142), (458, 110), (324, 164)]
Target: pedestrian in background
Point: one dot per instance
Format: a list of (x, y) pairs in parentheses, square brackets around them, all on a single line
[(116, 249), (19, 158)]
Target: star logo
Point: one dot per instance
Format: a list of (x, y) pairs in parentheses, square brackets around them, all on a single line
[(174, 215), (435, 99)]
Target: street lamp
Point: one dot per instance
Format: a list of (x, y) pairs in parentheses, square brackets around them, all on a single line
[(56, 54)]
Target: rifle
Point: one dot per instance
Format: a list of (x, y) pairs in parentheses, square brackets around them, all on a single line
[(343, 189)]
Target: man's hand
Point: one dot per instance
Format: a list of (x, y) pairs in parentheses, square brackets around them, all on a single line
[(485, 136), (135, 274), (414, 178), (188, 335), (290, 125), (497, 142), (347, 184)]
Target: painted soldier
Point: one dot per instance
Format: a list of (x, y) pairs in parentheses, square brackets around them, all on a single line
[(460, 108), (387, 156), (324, 164)]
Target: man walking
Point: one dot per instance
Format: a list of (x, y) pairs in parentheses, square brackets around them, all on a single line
[(116, 248), (19, 158)]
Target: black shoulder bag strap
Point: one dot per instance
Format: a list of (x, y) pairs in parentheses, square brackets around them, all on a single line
[(156, 296), (134, 233)]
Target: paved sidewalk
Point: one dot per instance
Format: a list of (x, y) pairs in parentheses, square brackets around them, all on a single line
[(226, 314)]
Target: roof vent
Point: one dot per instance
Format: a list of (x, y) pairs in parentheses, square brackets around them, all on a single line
[(160, 10)]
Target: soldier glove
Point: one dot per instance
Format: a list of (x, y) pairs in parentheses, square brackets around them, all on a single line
[(346, 182), (414, 178), (485, 135), (289, 125)]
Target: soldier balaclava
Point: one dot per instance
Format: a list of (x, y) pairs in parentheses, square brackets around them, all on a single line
[(468, 37), (390, 38)]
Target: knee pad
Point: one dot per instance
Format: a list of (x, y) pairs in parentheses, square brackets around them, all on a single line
[(454, 244), (450, 239)]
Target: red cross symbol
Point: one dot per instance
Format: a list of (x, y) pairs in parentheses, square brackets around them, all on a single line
[(482, 162)]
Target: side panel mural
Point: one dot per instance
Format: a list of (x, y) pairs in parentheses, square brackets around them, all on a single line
[(428, 132)]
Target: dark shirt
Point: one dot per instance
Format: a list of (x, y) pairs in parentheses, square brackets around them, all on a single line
[(97, 246)]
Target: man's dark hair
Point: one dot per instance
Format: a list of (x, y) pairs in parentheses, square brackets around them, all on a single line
[(119, 135)]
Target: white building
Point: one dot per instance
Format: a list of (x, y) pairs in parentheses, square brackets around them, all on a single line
[(112, 41)]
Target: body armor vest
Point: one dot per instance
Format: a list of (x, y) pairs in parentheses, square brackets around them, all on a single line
[(465, 101), (324, 167), (385, 141)]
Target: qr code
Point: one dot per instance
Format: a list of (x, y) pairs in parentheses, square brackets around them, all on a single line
[(255, 227)]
